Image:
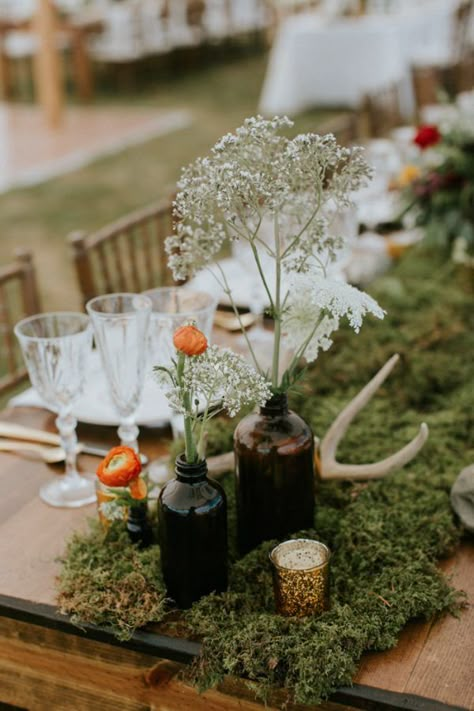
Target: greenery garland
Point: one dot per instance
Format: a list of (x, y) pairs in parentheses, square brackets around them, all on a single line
[(386, 536)]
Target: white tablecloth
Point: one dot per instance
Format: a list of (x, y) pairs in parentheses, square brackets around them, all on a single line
[(318, 61)]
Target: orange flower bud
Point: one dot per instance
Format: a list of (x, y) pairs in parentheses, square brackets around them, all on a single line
[(119, 467), (138, 488), (190, 340)]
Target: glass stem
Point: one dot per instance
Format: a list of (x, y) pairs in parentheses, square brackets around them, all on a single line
[(128, 433), (66, 424)]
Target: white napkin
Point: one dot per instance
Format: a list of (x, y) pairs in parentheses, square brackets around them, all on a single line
[(95, 404)]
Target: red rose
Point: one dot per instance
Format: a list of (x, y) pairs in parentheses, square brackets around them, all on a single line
[(427, 136)]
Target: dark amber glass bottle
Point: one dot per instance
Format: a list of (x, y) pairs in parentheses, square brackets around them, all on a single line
[(138, 526), (192, 527), (274, 474)]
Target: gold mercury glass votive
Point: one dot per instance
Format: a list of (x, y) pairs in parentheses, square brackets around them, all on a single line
[(301, 577)]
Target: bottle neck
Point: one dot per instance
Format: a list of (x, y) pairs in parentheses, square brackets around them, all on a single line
[(277, 405), (138, 512), (190, 473)]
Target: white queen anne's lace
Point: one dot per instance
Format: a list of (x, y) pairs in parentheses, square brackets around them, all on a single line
[(316, 304)]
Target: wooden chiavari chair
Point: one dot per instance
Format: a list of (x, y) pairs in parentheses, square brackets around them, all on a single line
[(125, 256), (430, 83), (381, 112), (427, 84), (18, 298), (344, 128)]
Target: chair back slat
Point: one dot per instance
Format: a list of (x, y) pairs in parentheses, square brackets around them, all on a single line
[(18, 299), (7, 331), (163, 227), (145, 229), (118, 263), (133, 258), (102, 270), (127, 255), (426, 85)]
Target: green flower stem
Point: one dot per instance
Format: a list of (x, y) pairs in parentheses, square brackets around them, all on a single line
[(277, 307), (228, 292), (299, 353), (262, 275), (189, 446), (205, 418)]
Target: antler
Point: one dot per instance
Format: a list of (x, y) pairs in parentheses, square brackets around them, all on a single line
[(330, 468)]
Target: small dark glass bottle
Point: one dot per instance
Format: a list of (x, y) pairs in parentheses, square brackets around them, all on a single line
[(192, 528), (138, 525), (274, 474)]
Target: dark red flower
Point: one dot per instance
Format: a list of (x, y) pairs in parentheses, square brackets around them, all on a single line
[(427, 136)]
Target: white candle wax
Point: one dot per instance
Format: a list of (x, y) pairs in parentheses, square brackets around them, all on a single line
[(300, 555)]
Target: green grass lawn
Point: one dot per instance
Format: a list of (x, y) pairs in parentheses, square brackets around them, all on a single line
[(218, 93)]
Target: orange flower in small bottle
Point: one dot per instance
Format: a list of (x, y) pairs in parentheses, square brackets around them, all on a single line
[(119, 467)]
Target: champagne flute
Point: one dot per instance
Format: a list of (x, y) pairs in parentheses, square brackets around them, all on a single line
[(120, 323), (56, 348)]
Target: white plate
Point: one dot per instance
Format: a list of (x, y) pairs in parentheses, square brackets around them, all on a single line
[(95, 405)]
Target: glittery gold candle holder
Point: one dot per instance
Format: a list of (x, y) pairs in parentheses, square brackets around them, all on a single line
[(301, 577)]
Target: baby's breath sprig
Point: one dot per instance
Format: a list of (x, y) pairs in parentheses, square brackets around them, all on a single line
[(257, 180), (204, 381)]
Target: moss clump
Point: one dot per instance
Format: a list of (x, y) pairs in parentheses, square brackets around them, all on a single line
[(107, 581), (385, 536)]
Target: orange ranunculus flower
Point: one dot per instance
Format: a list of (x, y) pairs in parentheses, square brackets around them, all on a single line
[(119, 467), (138, 488), (190, 340)]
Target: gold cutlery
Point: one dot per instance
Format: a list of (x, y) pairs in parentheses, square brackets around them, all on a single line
[(229, 321), (31, 434), (50, 455)]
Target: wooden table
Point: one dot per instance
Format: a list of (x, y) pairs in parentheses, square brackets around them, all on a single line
[(47, 663)]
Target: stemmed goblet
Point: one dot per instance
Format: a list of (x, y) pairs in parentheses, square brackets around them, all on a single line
[(56, 348), (120, 323)]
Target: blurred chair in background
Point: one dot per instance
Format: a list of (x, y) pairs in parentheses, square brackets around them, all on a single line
[(18, 298), (125, 256), (380, 112), (344, 127), (442, 80)]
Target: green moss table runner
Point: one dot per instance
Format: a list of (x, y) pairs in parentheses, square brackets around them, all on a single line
[(386, 536)]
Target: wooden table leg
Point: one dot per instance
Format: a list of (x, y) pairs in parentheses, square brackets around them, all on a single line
[(47, 64), (83, 78)]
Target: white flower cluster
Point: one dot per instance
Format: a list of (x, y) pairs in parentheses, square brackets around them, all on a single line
[(258, 173), (112, 511), (217, 377), (315, 305)]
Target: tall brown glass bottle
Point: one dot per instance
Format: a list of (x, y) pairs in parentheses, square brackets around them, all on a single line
[(274, 474), (192, 528)]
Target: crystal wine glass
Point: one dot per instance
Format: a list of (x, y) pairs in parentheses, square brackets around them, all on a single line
[(56, 347), (120, 323)]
